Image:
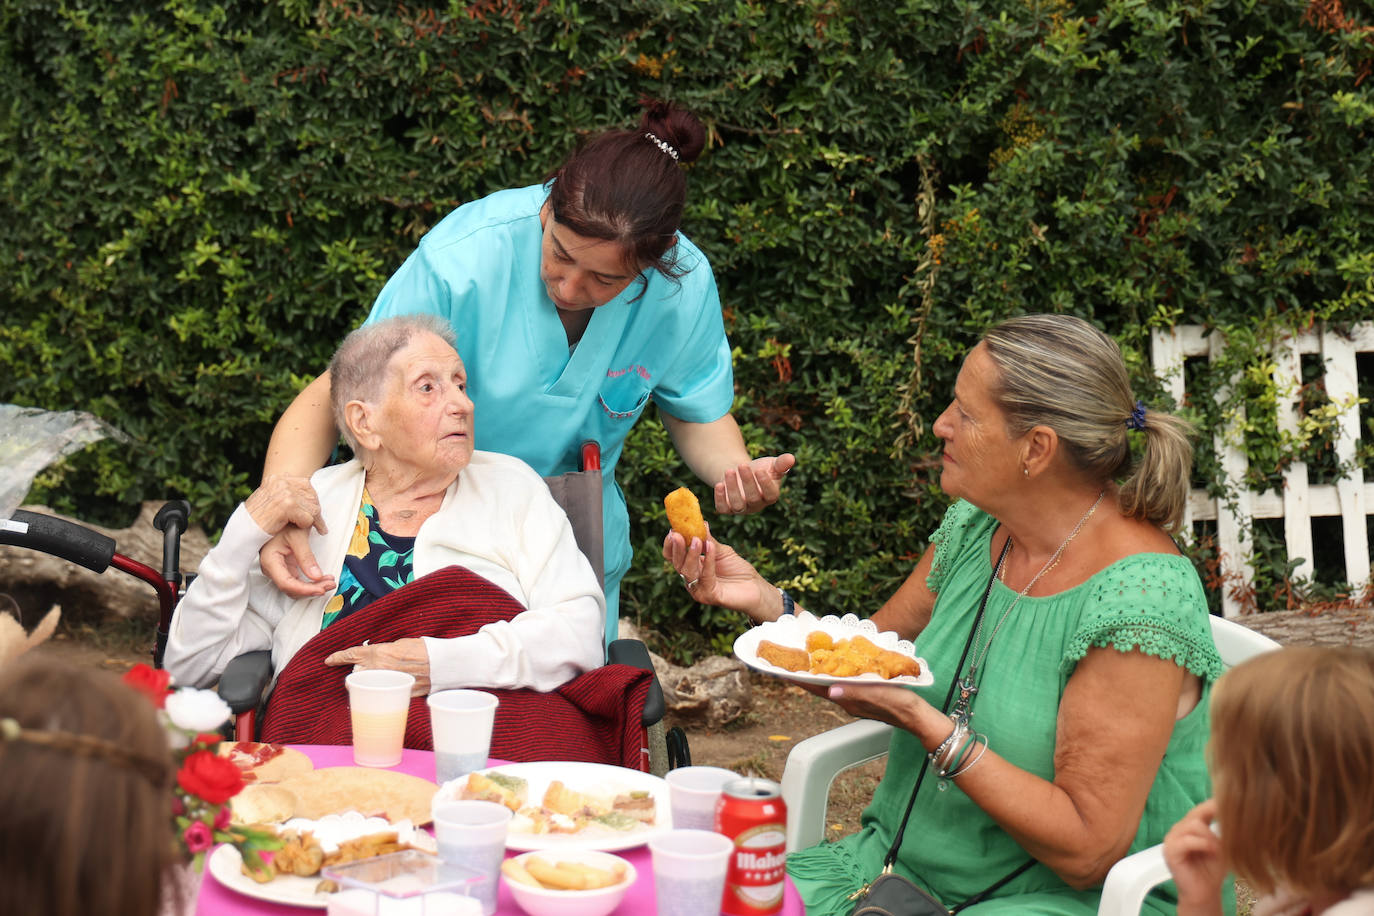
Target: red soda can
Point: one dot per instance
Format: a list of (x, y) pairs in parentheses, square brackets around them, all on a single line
[(752, 813)]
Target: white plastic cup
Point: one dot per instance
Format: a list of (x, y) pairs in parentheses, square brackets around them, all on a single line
[(378, 702), (693, 793), (689, 871), (473, 834), (461, 722)]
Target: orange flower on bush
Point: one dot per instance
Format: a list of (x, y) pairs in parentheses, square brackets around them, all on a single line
[(207, 775)]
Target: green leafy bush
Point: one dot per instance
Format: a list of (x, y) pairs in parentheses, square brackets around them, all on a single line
[(203, 198)]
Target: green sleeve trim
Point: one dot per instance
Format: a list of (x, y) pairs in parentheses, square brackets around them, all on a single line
[(1152, 636), (947, 540)]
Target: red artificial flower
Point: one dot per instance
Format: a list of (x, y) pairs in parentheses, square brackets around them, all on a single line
[(211, 777), (208, 739), (198, 837), (222, 819), (149, 681)]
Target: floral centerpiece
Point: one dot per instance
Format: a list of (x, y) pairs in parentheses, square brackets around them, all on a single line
[(205, 781)]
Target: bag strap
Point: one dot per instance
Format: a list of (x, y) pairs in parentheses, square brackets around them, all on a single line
[(987, 891), (891, 858)]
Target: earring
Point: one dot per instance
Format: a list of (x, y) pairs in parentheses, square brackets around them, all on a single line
[(1025, 469)]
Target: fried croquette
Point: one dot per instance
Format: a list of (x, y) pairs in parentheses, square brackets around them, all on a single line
[(845, 658), (784, 656), (684, 514)]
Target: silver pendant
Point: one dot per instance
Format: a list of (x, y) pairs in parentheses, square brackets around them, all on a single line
[(967, 691)]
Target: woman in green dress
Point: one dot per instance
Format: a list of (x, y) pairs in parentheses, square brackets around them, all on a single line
[(1082, 737)]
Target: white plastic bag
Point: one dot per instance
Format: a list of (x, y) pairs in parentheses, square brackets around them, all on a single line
[(31, 439)]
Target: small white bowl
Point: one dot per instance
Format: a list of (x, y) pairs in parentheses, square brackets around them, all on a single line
[(540, 901)]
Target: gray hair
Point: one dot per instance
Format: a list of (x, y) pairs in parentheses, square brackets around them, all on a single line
[(1061, 372), (358, 370)]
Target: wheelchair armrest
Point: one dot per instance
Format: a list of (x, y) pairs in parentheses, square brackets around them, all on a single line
[(635, 653), (1130, 880), (244, 680), (813, 765)]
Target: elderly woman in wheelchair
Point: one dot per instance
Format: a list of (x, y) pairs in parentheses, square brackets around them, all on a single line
[(415, 499), (1068, 639)]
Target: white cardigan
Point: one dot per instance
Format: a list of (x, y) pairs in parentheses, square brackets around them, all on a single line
[(497, 519)]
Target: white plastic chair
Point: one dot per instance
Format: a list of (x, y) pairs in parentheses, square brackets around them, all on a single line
[(1132, 878), (814, 763)]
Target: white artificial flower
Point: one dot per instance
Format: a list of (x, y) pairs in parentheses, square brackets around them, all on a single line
[(197, 710)]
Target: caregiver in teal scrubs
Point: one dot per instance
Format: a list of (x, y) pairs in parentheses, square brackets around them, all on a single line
[(574, 303)]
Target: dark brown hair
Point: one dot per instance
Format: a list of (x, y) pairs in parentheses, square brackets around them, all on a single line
[(627, 187), (1291, 755), (82, 831)]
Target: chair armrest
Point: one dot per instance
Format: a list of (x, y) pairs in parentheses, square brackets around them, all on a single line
[(244, 680), (1130, 880), (634, 653), (813, 765)]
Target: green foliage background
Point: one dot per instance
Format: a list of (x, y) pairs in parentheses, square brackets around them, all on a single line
[(202, 198)]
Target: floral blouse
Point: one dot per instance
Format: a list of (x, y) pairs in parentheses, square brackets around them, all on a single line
[(377, 564)]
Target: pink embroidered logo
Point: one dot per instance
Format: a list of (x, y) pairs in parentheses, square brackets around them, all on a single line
[(637, 370)]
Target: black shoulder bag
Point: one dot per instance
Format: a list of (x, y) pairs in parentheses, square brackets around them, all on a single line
[(890, 894)]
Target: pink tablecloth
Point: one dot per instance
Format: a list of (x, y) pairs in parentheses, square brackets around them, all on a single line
[(218, 900)]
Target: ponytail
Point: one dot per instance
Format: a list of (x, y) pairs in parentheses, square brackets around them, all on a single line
[(1157, 488)]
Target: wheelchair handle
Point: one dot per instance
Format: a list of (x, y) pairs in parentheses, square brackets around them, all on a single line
[(59, 537), (172, 519)]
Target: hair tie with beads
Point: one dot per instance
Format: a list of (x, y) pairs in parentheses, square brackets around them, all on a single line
[(1137, 418), (663, 145)]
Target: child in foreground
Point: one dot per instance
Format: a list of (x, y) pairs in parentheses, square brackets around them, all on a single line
[(1292, 758)]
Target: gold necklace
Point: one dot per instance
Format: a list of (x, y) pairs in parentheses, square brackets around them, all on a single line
[(968, 684)]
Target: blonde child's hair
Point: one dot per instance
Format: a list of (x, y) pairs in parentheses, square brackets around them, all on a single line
[(1292, 756)]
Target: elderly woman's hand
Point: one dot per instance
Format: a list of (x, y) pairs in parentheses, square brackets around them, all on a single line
[(753, 486), (287, 508), (714, 574), (406, 655), (289, 562), (282, 501)]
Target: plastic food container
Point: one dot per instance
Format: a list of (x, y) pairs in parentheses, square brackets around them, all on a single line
[(407, 883)]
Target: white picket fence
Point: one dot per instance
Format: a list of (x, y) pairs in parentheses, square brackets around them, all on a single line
[(1351, 498)]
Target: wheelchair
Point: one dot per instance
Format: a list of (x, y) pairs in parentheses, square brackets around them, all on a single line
[(244, 683)]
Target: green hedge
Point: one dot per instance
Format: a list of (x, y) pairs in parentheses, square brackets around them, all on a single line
[(202, 198)]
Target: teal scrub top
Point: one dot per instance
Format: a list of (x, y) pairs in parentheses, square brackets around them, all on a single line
[(535, 399)]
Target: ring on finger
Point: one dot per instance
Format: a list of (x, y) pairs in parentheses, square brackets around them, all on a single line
[(691, 585)]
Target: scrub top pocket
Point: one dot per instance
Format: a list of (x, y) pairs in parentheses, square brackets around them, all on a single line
[(623, 396)]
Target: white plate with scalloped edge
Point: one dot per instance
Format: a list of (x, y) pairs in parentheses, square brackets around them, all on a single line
[(792, 630), (225, 864)]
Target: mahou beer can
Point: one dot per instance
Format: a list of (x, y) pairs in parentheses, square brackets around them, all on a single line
[(752, 813)]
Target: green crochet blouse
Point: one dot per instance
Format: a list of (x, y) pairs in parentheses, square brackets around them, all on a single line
[(1150, 602)]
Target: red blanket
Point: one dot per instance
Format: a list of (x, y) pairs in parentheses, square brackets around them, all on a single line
[(595, 717)]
